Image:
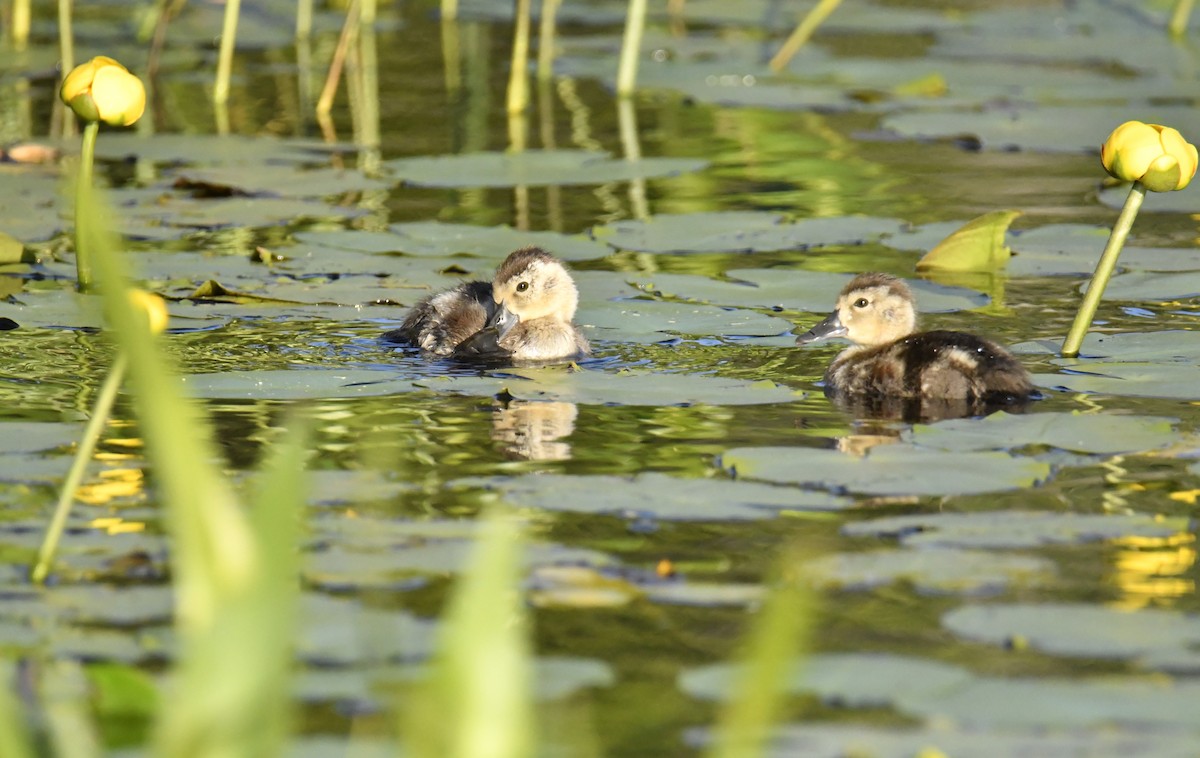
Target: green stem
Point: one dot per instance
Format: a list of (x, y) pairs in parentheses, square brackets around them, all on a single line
[(1104, 269), (518, 76), (1177, 27), (83, 186), (821, 11), (87, 446), (631, 45), (225, 55)]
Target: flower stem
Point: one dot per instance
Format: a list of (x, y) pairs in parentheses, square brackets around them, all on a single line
[(83, 186), (87, 446), (1104, 269)]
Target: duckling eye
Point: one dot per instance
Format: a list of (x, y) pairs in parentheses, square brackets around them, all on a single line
[(861, 303), (522, 286)]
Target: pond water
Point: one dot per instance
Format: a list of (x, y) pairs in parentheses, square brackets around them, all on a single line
[(988, 586)]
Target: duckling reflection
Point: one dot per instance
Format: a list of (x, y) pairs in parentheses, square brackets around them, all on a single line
[(534, 430), (892, 371), (524, 315)]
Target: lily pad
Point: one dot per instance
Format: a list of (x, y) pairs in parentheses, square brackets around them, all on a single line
[(887, 469), (627, 387), (432, 238), (36, 436), (792, 289), (269, 180), (294, 384), (1152, 287), (1167, 380), (1172, 346), (979, 245), (1057, 249), (644, 321), (659, 496), (740, 232), (934, 571), (343, 632), (533, 168), (1076, 629), (1015, 529), (1080, 432)]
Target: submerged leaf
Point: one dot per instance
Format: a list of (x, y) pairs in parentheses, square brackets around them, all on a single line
[(977, 246)]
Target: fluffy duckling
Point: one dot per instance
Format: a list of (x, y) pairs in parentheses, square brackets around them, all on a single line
[(878, 314), (523, 314)]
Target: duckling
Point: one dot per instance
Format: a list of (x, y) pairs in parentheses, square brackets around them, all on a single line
[(523, 314), (877, 312)]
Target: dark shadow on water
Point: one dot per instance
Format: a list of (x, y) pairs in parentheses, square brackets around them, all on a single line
[(926, 409)]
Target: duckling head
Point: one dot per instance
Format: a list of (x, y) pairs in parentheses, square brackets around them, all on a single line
[(532, 284), (873, 309)]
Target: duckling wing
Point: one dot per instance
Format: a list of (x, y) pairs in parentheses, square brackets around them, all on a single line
[(441, 322), (957, 364)]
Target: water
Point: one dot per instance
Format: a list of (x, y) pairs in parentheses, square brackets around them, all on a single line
[(436, 448)]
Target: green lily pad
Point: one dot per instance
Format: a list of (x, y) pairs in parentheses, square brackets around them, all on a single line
[(644, 321), (936, 571), (1186, 200), (1167, 380), (343, 632), (979, 245), (294, 384), (705, 594), (494, 243), (740, 232), (1076, 629), (1015, 529), (1057, 249), (658, 496), (210, 149), (338, 487), (851, 739), (1152, 287), (533, 168), (887, 469), (1171, 346), (1070, 128), (271, 180), (792, 289), (841, 678), (627, 387), (1081, 432), (36, 436)]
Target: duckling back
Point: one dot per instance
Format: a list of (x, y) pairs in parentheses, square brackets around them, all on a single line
[(441, 322), (938, 364)]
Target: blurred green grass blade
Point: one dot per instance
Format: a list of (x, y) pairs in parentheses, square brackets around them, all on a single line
[(477, 701), (234, 575), (68, 715), (777, 637), (15, 738)]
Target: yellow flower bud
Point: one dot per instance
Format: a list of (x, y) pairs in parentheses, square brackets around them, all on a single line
[(104, 90), (154, 308), (1157, 156)]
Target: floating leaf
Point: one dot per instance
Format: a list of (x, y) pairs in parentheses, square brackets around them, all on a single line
[(887, 469), (644, 321), (1076, 629), (740, 232), (977, 246), (1081, 432), (294, 384), (1173, 346), (939, 571), (653, 495), (533, 168), (627, 387), (1168, 380), (1014, 529)]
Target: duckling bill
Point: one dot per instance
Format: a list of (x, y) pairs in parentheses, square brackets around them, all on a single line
[(888, 358), (524, 314)]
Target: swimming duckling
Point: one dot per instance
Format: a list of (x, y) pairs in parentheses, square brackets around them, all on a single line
[(878, 314), (524, 314)]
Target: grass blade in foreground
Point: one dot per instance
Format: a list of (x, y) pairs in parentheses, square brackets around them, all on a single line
[(776, 639), (234, 578), (476, 702)]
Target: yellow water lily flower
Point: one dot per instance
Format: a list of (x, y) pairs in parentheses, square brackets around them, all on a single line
[(154, 308), (1157, 156), (104, 90)]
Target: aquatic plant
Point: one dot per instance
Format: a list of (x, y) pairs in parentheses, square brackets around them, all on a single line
[(101, 90), (1153, 157)]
